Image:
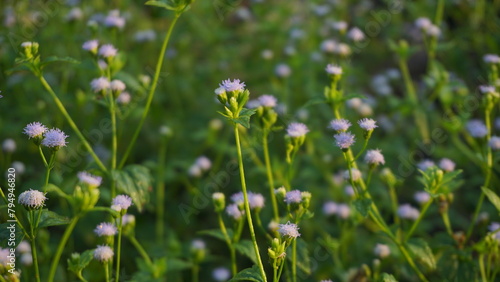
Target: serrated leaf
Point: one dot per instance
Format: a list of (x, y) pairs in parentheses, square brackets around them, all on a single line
[(385, 277), (422, 252), (363, 206), (216, 233), (493, 197), (135, 181), (77, 262), (248, 274), (49, 218), (5, 235), (245, 247), (244, 117)]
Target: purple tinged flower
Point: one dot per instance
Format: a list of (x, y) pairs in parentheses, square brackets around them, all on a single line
[(333, 69), (221, 274), (105, 229), (267, 101), (296, 129), (485, 89), (491, 59), (374, 157), (233, 211), (425, 164), (367, 124), (114, 20), (283, 70), (203, 163), (35, 130), (24, 247), (198, 244), (494, 143), (4, 257), (330, 208), (349, 191), (89, 179), (195, 171), (343, 49), (32, 199), (121, 202), (293, 197), (355, 34), (124, 98), (289, 230), (422, 197), (91, 46), (423, 23), (476, 128), (406, 211), (446, 164), (356, 174), (343, 211), (253, 104), (128, 219), (54, 138), (433, 31), (381, 250), (238, 198), (107, 51), (340, 25), (103, 253), (328, 46), (100, 84), (256, 200), (234, 85), (344, 140), (117, 85)]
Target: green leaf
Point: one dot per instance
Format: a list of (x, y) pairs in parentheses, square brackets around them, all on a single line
[(216, 233), (135, 181), (493, 197), (55, 59), (363, 206), (387, 278), (303, 258), (248, 274), (175, 264), (77, 262), (5, 235), (244, 117), (315, 101), (161, 4), (422, 252), (245, 247), (49, 218)]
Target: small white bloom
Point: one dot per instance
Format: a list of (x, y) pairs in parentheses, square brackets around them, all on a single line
[(121, 202), (367, 124), (356, 174), (32, 199), (382, 250), (89, 179), (198, 244), (296, 129), (343, 211), (328, 46), (354, 103), (406, 211), (99, 84), (494, 143), (476, 128), (54, 138), (233, 211), (374, 157), (340, 26), (267, 54), (91, 46), (9, 145), (423, 23), (103, 253), (491, 59), (433, 31), (330, 208), (117, 85), (283, 70), (204, 163), (422, 197), (267, 101), (145, 35), (333, 69), (290, 230), (355, 34), (425, 164), (293, 197), (446, 164), (105, 229), (107, 51), (255, 200), (221, 274), (124, 98), (34, 130), (344, 140)]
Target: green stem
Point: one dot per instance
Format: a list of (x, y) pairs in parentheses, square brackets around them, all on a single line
[(71, 123), (370, 173), (106, 271), (43, 156), (79, 275), (160, 192), (411, 262), (270, 176), (114, 141), (262, 229), (15, 217), (118, 249), (294, 260), (33, 246), (195, 272), (362, 150), (481, 268), (151, 91), (447, 224), (439, 13), (417, 222), (140, 249), (60, 247), (247, 206), (234, 268), (394, 202)]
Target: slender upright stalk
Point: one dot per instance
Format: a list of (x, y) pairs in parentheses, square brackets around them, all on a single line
[(33, 246), (141, 250), (270, 176), (118, 249), (447, 224), (151, 91), (439, 12), (246, 204), (294, 260), (229, 243), (72, 123), (394, 203), (114, 141), (419, 219), (60, 247), (195, 272), (106, 271)]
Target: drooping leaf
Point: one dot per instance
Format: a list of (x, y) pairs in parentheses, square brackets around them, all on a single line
[(422, 252), (5, 235), (248, 274), (245, 247), (49, 218), (363, 206), (493, 197), (135, 181)]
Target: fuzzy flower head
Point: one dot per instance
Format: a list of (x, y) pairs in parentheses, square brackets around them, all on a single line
[(293, 197), (494, 143), (256, 200), (296, 129), (4, 260), (238, 198), (381, 250), (121, 203), (54, 138), (89, 179), (105, 229), (491, 59), (422, 197), (446, 165), (268, 101), (486, 89), (203, 163), (32, 199), (425, 164), (374, 157), (100, 84), (356, 174), (91, 46), (113, 20), (330, 208), (423, 23), (340, 26), (234, 212), (107, 51), (433, 31), (355, 34), (103, 253), (124, 98), (117, 86), (283, 70), (230, 86), (344, 140), (334, 70), (367, 124), (340, 125), (9, 145), (221, 274), (406, 211), (476, 128), (35, 130), (289, 230), (343, 211)]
